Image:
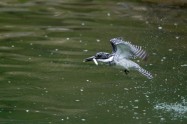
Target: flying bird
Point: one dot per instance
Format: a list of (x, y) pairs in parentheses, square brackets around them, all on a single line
[(122, 53)]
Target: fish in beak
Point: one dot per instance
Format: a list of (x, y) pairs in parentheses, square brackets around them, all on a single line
[(92, 58)]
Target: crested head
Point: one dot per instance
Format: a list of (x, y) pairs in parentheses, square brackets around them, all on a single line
[(102, 55)]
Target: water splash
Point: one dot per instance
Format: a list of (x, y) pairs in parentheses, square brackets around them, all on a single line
[(175, 110)]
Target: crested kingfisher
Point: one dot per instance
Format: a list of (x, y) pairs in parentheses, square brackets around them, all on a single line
[(122, 52)]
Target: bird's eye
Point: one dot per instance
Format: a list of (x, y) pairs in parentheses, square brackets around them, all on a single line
[(98, 55)]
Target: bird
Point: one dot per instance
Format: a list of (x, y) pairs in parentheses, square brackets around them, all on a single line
[(122, 54)]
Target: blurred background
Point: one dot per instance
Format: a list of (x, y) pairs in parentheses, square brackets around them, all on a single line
[(43, 77)]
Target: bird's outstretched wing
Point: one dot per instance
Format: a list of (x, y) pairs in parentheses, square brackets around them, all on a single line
[(123, 49)]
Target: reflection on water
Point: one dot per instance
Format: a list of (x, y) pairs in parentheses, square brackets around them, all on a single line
[(44, 79)]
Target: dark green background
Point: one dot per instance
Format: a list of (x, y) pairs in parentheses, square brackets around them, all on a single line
[(43, 77)]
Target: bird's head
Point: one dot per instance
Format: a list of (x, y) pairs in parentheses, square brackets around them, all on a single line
[(100, 56)]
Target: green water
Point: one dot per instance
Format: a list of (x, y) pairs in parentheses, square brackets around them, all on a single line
[(44, 79)]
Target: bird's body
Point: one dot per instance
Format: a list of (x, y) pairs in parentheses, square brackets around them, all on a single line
[(130, 65), (126, 64), (120, 57)]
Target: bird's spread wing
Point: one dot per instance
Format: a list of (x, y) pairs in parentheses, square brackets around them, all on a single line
[(123, 49)]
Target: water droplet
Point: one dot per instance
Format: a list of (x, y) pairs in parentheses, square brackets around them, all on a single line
[(175, 24), (177, 37), (77, 100), (83, 119), (154, 54), (120, 107), (136, 107), (85, 50), (82, 23), (126, 89), (162, 119), (146, 96), (136, 100), (135, 113), (160, 28), (97, 40), (183, 65), (27, 110)]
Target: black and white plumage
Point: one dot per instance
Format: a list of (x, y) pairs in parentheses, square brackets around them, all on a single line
[(121, 54)]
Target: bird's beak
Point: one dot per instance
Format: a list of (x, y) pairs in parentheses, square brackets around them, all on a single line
[(92, 58)]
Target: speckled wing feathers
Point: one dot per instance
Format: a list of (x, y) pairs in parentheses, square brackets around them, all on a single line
[(125, 49)]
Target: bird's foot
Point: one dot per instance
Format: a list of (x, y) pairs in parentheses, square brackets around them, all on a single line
[(126, 71)]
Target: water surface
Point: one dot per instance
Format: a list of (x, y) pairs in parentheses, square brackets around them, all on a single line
[(44, 79)]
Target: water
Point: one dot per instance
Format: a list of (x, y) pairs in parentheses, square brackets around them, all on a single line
[(44, 79)]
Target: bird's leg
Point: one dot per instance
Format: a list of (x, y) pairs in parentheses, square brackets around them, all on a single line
[(126, 71), (111, 63)]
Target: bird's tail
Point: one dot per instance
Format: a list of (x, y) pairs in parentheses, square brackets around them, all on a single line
[(145, 73)]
